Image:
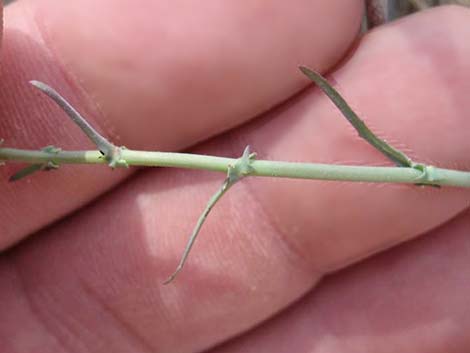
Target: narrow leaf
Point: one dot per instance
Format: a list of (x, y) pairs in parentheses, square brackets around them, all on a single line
[(216, 197), (239, 170), (111, 152), (390, 152), (30, 169)]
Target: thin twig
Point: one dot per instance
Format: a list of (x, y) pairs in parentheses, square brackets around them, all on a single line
[(261, 168), (235, 172), (236, 169), (109, 150), (393, 154)]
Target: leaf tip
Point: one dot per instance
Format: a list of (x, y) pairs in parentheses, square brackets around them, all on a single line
[(36, 83), (172, 276), (304, 69)]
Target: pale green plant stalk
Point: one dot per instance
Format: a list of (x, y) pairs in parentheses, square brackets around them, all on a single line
[(261, 168), (407, 171)]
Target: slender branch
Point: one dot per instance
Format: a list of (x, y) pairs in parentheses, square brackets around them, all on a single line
[(261, 168), (33, 168), (111, 152), (213, 200), (389, 151), (235, 172), (407, 171)]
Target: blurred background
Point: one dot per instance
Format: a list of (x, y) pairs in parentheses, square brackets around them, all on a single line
[(390, 9), (378, 12)]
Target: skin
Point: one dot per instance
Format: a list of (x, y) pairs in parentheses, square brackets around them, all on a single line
[(81, 269)]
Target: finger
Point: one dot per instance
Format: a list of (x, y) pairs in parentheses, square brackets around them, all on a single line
[(1, 22), (114, 255), (413, 297), (157, 76), (193, 54), (406, 90)]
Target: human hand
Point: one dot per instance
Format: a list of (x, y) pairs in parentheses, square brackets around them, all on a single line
[(165, 77)]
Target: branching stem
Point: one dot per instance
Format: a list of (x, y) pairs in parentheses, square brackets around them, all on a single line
[(261, 168), (407, 171), (111, 152)]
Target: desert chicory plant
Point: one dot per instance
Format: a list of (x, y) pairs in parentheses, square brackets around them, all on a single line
[(406, 170)]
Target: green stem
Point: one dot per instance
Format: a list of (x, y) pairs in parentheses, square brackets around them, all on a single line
[(108, 149), (430, 175), (236, 169)]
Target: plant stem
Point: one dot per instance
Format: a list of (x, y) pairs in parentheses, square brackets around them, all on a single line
[(264, 168), (111, 152), (408, 171)]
